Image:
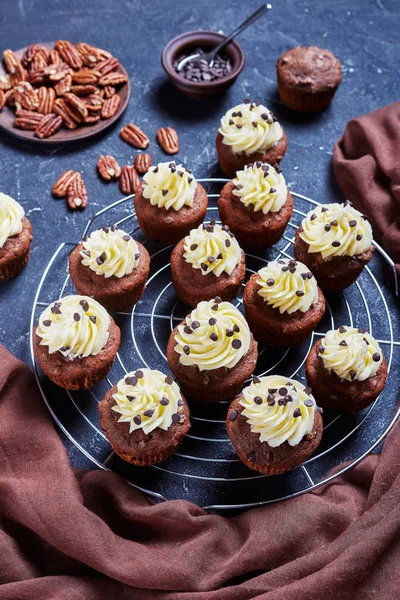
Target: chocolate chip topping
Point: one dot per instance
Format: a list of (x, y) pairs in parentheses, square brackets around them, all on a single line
[(131, 381), (193, 247), (343, 343), (126, 238), (139, 374), (376, 357), (353, 374), (297, 413), (361, 330), (282, 391), (256, 379), (47, 323), (169, 380), (164, 401), (352, 223), (137, 419), (214, 307), (148, 413), (308, 402), (270, 282), (258, 400), (236, 344), (307, 390), (195, 325), (327, 227), (187, 330), (212, 321), (186, 350), (299, 293), (321, 349), (176, 418), (335, 243), (251, 456), (77, 317), (233, 415), (93, 319), (100, 259), (164, 192), (204, 266), (227, 243), (214, 337), (229, 333), (359, 237), (342, 329)]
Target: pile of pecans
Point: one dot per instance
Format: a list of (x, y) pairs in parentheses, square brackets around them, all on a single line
[(69, 86)]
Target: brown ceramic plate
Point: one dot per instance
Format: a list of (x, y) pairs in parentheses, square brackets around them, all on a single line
[(63, 135)]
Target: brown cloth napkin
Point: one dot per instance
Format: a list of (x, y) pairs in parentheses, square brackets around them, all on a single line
[(83, 535), (366, 162)]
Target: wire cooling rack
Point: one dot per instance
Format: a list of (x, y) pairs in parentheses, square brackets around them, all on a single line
[(205, 470)]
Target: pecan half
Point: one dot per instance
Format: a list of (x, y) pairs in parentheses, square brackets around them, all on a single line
[(109, 91), (63, 86), (5, 83), (143, 163), (76, 194), (29, 54), (100, 92), (26, 96), (168, 140), (76, 103), (48, 126), (90, 119), (133, 135), (110, 107), (89, 55), (129, 181), (46, 98), (60, 187), (39, 60), (27, 119), (57, 72), (69, 116), (83, 90), (19, 75), (108, 167), (113, 79), (93, 103), (11, 61), (2, 99), (9, 95), (37, 78), (85, 76), (108, 65), (54, 58), (69, 54)]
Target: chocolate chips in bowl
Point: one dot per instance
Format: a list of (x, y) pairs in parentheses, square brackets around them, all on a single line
[(197, 78)]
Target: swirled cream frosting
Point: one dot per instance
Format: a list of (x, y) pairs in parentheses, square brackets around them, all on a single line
[(250, 128), (147, 399), (352, 354), (214, 335), (336, 230), (110, 252), (76, 326), (168, 185), (278, 409), (287, 285), (260, 187), (11, 215), (212, 249)]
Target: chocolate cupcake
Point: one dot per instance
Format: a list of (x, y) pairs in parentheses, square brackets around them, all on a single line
[(207, 263), (346, 369), (308, 78), (212, 351), (274, 424), (335, 242), (283, 303), (169, 203), (110, 266), (75, 342), (145, 417), (256, 205), (249, 133), (15, 238)]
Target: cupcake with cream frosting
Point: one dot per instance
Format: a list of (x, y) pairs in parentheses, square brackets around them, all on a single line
[(335, 242), (75, 342), (145, 417), (15, 237), (283, 303), (274, 424), (212, 352), (207, 263), (169, 203), (110, 266), (248, 133), (346, 369), (256, 205)]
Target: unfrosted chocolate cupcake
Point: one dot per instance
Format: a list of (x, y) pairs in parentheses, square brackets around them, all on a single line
[(75, 342), (145, 417), (249, 133), (335, 242), (169, 203), (283, 303), (274, 424), (110, 266), (15, 238), (212, 352), (207, 263), (346, 369), (256, 205), (308, 78)]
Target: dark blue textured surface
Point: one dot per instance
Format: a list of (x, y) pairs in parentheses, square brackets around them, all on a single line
[(363, 34)]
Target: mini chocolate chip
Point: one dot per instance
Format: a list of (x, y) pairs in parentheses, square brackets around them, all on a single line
[(126, 238), (366, 341), (212, 321), (256, 379), (352, 374), (376, 357), (225, 228), (214, 307), (86, 253), (190, 179), (214, 337), (106, 230), (246, 101), (193, 247), (334, 223), (288, 398), (272, 390), (211, 259), (181, 402), (231, 122), (131, 381), (114, 227), (130, 398), (271, 399), (270, 282), (251, 456), (297, 413), (359, 237), (282, 391), (137, 419), (282, 402), (272, 190), (236, 328), (219, 257), (299, 293), (169, 380), (155, 170), (164, 401), (139, 374), (308, 402), (187, 330), (137, 256), (342, 329), (335, 243), (327, 227), (148, 413), (229, 333), (93, 319), (307, 390), (77, 317), (236, 344), (55, 309), (258, 399), (47, 323), (164, 192), (265, 116), (324, 209), (361, 330), (285, 268), (176, 418), (352, 223), (233, 415), (254, 123), (195, 325), (204, 266), (100, 259), (239, 187), (186, 350), (313, 217), (321, 349), (239, 126), (343, 343)]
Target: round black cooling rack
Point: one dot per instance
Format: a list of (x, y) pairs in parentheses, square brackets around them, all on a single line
[(205, 470)]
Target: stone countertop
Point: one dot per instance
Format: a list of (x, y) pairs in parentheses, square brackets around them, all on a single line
[(364, 34)]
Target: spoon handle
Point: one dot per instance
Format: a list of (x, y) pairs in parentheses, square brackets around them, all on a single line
[(249, 21)]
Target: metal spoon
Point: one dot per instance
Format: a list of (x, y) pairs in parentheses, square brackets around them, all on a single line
[(210, 56)]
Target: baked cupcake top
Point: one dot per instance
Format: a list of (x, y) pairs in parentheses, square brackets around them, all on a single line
[(147, 399), (352, 354), (311, 68), (11, 215), (212, 249), (110, 252), (76, 326), (249, 127), (214, 335), (287, 285), (169, 185), (278, 409), (336, 230), (260, 187)]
